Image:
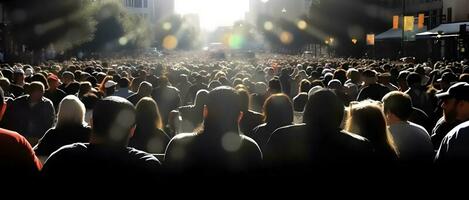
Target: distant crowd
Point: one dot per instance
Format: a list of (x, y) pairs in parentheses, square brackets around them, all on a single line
[(271, 115)]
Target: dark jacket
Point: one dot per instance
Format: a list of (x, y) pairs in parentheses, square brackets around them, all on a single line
[(58, 137), (30, 121)]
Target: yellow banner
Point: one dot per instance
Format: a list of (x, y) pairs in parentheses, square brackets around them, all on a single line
[(370, 39), (409, 23), (395, 22)]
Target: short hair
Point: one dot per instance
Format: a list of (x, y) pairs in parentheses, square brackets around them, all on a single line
[(36, 86), (90, 100), (274, 84), (278, 110), (223, 104), (324, 109), (68, 74), (305, 85), (399, 104), (145, 87), (41, 78), (124, 82), (113, 118), (413, 79), (244, 99)]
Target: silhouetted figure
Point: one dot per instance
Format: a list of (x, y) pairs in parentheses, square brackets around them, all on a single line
[(17, 158), (319, 142), (219, 147), (149, 135), (106, 157), (70, 128)]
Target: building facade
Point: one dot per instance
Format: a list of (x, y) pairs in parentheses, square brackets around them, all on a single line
[(153, 10), (291, 10), (456, 10)]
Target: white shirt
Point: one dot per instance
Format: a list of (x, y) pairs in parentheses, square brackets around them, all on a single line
[(413, 142)]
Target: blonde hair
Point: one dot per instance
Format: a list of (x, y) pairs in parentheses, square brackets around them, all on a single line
[(366, 118), (71, 112)]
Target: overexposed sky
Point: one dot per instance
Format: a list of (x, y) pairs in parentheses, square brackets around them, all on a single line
[(214, 13)]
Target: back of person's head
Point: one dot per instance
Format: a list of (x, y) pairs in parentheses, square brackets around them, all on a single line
[(399, 104), (370, 76), (85, 87), (367, 119), (145, 88), (222, 110), (244, 99), (260, 88), (278, 110), (340, 75), (164, 81), (462, 78), (36, 87), (67, 75), (41, 78), (113, 120), (148, 115), (71, 112), (124, 82), (305, 85), (275, 86), (353, 75), (201, 98), (414, 79), (324, 110), (89, 100)]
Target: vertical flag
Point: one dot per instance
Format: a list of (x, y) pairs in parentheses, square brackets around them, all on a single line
[(421, 21), (370, 39), (395, 22), (409, 23)]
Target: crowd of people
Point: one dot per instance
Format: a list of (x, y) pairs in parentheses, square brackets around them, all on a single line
[(272, 115)]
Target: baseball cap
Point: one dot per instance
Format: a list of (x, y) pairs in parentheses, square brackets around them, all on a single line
[(458, 91), (53, 77), (109, 84)]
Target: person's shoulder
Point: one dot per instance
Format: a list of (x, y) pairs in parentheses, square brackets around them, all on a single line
[(183, 137), (286, 130), (461, 130), (69, 150), (21, 99), (259, 127), (9, 135), (61, 91), (143, 156), (417, 127), (47, 101), (353, 136)]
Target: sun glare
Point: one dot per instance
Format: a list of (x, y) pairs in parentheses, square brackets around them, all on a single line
[(214, 13)]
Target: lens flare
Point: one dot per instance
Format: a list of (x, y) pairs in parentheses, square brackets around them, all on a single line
[(286, 37), (170, 42)]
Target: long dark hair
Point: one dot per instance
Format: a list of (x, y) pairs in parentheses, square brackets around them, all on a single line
[(148, 116)]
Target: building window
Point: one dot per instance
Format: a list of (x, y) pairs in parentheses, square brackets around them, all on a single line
[(145, 3), (449, 15), (138, 4)]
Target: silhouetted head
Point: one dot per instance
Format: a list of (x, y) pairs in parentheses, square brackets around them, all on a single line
[(113, 121), (324, 110), (223, 110), (278, 110)]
